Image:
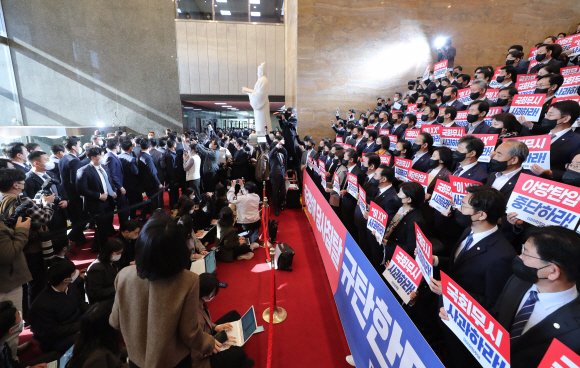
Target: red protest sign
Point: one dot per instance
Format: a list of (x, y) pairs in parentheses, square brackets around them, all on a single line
[(570, 86), (570, 70), (377, 220), (526, 87), (491, 113), (435, 131), (451, 136), (573, 98), (543, 202), (411, 134), (402, 166), (468, 317), (529, 106), (403, 274), (559, 356), (441, 197), (362, 199), (459, 187), (533, 53), (426, 74), (383, 131), (339, 140), (424, 255), (526, 77), (439, 69), (322, 171), (419, 177), (461, 118), (335, 183), (489, 140), (463, 95), (352, 184), (393, 139), (385, 159), (492, 94), (412, 109), (570, 43), (494, 83), (539, 147)]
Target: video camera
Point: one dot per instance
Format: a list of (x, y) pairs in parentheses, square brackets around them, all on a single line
[(20, 211), (46, 190)]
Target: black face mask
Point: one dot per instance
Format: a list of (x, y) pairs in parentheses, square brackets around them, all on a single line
[(455, 74), (500, 79), (404, 108), (393, 121), (381, 120), (433, 163), (374, 182), (363, 168), (379, 104), (474, 96), (320, 149), (541, 90), (354, 136), (445, 99), (458, 156), (344, 162), (509, 62), (571, 177), (526, 273), (502, 102), (424, 117), (440, 119), (497, 166), (549, 124), (335, 161), (419, 105), (419, 90), (463, 220), (472, 118), (432, 101), (493, 130), (416, 147), (331, 155), (308, 147), (410, 87), (397, 153), (540, 57)]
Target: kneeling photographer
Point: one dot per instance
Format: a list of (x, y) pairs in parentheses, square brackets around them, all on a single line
[(12, 186), (247, 202)]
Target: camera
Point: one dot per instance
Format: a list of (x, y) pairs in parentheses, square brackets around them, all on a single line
[(20, 211), (46, 190)]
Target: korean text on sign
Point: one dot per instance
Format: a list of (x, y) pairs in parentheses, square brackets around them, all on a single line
[(539, 147), (424, 255), (362, 199), (419, 177), (411, 134), (441, 197), (352, 184), (335, 183), (450, 136), (393, 139), (435, 131), (439, 69), (377, 220), (402, 166), (403, 274), (529, 106), (459, 187), (559, 356), (489, 140)]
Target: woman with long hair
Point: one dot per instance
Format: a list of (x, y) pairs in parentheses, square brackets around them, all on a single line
[(101, 274)]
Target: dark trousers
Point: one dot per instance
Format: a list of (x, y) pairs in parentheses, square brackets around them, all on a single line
[(251, 226), (122, 203), (104, 225), (134, 196), (278, 184), (347, 208), (195, 185), (37, 268), (63, 344), (209, 181), (241, 250), (148, 209), (77, 218), (173, 194), (235, 355)]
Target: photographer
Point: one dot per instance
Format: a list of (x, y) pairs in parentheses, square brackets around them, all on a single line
[(247, 204), (288, 123), (12, 186)]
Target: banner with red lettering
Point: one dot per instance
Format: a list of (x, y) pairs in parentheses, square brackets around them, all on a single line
[(419, 121), (482, 335), (309, 162), (426, 74), (385, 159), (439, 69), (492, 94), (570, 86), (569, 70), (402, 167), (424, 255), (383, 132), (377, 221), (491, 113), (403, 274), (559, 356), (352, 184), (527, 87), (570, 43), (532, 58), (412, 109), (463, 95), (461, 118), (393, 139), (539, 147), (459, 187), (435, 131), (441, 197), (451, 136), (543, 202), (526, 77), (346, 146), (315, 166), (362, 199), (528, 106), (322, 172), (335, 183), (411, 134), (489, 140), (494, 83), (339, 140), (419, 177)]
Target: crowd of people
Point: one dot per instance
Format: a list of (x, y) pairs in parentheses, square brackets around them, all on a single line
[(507, 265), (49, 200)]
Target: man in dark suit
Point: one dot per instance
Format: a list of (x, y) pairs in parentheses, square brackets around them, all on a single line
[(157, 153), (398, 126), (369, 165), (469, 148), (338, 128), (475, 118), (540, 302), (288, 125), (548, 84), (57, 152), (447, 117), (370, 137), (480, 262), (18, 153), (115, 167), (240, 161), (516, 59), (423, 146), (450, 99), (383, 123), (278, 162), (68, 166), (386, 198), (130, 170), (565, 143), (547, 54), (95, 184), (148, 177), (171, 173), (349, 202), (359, 143)]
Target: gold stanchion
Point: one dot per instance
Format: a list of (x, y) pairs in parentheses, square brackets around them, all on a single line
[(280, 313)]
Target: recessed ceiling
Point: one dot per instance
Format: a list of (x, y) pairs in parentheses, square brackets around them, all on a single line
[(242, 106)]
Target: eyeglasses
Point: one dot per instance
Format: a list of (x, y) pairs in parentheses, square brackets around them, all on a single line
[(573, 166), (466, 206)]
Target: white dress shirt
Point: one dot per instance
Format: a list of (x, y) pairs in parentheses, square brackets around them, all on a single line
[(382, 190), (502, 179), (477, 237), (417, 157), (225, 155), (103, 182), (559, 134), (465, 168), (547, 304), (247, 206)]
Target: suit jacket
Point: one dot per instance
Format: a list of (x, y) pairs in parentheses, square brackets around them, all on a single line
[(113, 163), (277, 167), (403, 234), (443, 174), (148, 172), (522, 67), (385, 125), (361, 146), (34, 184), (481, 128), (483, 269), (538, 66), (458, 104), (562, 151), (372, 148), (399, 131), (159, 161), (422, 164), (348, 200), (476, 173), (68, 166), (158, 336), (340, 133), (240, 164), (170, 166), (130, 172), (529, 349), (90, 187), (24, 169), (100, 281)]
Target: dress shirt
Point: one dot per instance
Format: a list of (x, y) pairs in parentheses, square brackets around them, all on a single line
[(506, 85), (471, 127), (449, 125), (547, 304), (20, 164), (476, 238), (382, 190), (417, 157), (431, 122), (450, 103), (559, 134), (357, 142), (247, 206), (501, 179), (465, 168), (103, 182)]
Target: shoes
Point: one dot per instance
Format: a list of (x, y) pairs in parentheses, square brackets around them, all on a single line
[(254, 246), (22, 348), (350, 360), (248, 255), (277, 213)]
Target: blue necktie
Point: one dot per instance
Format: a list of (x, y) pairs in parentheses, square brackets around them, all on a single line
[(468, 242), (109, 188), (523, 315), (458, 171)]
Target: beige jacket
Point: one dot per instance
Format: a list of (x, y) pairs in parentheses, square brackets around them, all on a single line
[(159, 319)]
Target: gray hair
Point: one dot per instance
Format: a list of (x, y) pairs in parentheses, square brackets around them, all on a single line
[(481, 82), (517, 149)]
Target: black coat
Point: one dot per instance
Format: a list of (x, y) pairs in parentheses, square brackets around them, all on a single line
[(148, 172), (68, 166), (399, 131), (90, 187), (130, 172), (562, 151), (404, 234), (422, 164), (476, 173), (240, 164), (34, 184), (100, 281), (159, 161)]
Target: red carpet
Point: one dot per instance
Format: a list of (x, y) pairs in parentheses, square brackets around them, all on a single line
[(311, 336)]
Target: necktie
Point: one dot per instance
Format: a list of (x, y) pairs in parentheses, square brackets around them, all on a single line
[(53, 187), (552, 137), (458, 171), (468, 242), (109, 188), (523, 315)]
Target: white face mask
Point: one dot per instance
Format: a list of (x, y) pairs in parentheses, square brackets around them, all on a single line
[(75, 276), (191, 211), (396, 99), (101, 161), (116, 258), (49, 165)]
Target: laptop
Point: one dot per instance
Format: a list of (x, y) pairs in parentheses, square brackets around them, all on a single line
[(61, 363), (204, 264), (243, 328), (251, 236)]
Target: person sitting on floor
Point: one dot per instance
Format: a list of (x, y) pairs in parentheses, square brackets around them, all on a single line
[(235, 356), (56, 312), (10, 321), (101, 274), (231, 246), (128, 234), (187, 207), (247, 203), (193, 243)]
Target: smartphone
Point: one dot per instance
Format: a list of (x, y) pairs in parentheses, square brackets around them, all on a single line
[(223, 285)]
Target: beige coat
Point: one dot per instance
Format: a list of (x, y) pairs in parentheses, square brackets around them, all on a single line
[(159, 319), (207, 326)]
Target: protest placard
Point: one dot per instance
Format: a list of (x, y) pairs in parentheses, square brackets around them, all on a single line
[(403, 274), (441, 197)]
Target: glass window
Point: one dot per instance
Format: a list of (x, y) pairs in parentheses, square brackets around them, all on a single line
[(257, 11), (194, 9)]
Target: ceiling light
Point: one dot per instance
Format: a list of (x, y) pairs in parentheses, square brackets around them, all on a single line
[(255, 14), (225, 12), (221, 1), (255, 2), (227, 106), (220, 103)]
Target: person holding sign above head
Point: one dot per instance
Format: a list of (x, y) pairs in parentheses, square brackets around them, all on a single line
[(447, 119), (549, 85), (349, 202), (565, 143), (480, 262), (475, 117), (422, 148), (540, 302), (469, 148)]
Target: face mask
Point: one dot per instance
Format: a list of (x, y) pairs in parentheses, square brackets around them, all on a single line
[(335, 161), (116, 258), (472, 118), (410, 87), (49, 166), (458, 156), (541, 90), (393, 121), (433, 163), (502, 102), (549, 124), (440, 119), (308, 147), (320, 149), (445, 99), (419, 90), (432, 100), (497, 166), (571, 177), (381, 120), (398, 201), (404, 108), (379, 104), (397, 153), (526, 273), (500, 79), (474, 96), (75, 276), (509, 62), (331, 155), (363, 168), (540, 57), (344, 162), (419, 105), (101, 161), (455, 74), (354, 136), (424, 117), (375, 182), (396, 99), (416, 147), (463, 220)]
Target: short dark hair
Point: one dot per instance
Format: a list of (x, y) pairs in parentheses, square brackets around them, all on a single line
[(445, 155), (433, 108), (452, 111), (408, 147), (35, 156), (373, 158), (387, 172), (399, 115), (70, 142), (93, 151), (482, 106), (107, 249), (226, 217), (170, 144), (8, 177), (372, 134), (510, 123), (251, 187), (153, 142), (14, 148), (454, 89), (562, 33), (32, 146), (7, 316), (427, 138), (353, 154), (126, 144), (516, 54), (414, 191), (568, 107), (56, 148), (553, 38), (511, 90), (554, 47), (464, 76), (458, 67), (112, 143), (144, 143), (556, 79), (208, 283), (472, 143), (516, 47), (510, 69), (60, 271), (162, 142), (412, 118), (94, 137), (161, 250), (129, 225), (4, 163), (488, 200), (550, 68), (560, 246), (487, 74)]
